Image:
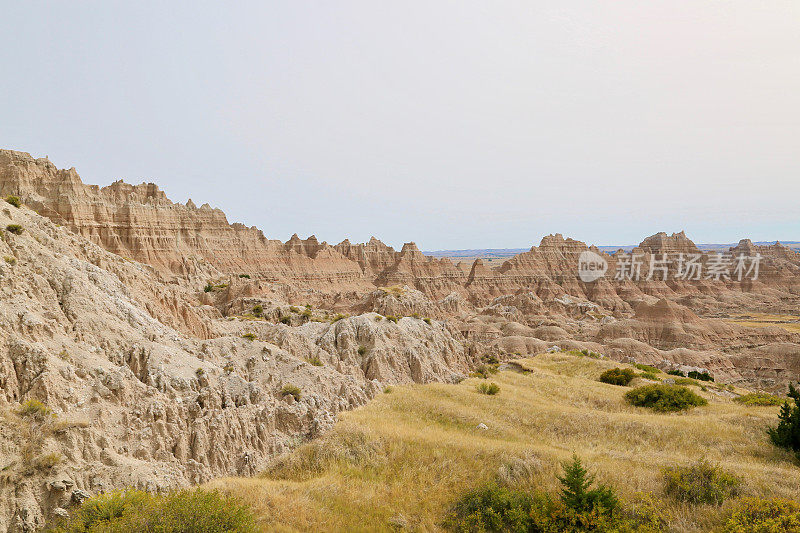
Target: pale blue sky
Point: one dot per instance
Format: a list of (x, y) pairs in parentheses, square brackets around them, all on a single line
[(455, 124)]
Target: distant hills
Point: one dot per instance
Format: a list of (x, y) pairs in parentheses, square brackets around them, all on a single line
[(510, 252)]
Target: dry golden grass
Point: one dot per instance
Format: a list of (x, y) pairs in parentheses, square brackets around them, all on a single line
[(760, 320), (403, 459)]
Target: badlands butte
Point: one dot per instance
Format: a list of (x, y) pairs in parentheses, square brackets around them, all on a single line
[(162, 336)]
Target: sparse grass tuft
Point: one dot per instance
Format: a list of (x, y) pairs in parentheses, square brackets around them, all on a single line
[(338, 317), (488, 388), (47, 461), (244, 276), (392, 318), (362, 350), (34, 409), (427, 320), (292, 390), (258, 311), (664, 398), (249, 336), (13, 200), (16, 229), (315, 361), (646, 368), (10, 260)]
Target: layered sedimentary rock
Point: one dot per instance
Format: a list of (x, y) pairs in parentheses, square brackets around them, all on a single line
[(162, 336)]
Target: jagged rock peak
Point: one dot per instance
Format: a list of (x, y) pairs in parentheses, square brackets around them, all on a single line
[(662, 243)]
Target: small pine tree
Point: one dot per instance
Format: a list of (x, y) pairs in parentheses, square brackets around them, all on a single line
[(577, 493), (787, 433)]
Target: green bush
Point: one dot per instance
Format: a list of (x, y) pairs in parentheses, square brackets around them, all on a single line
[(294, 309), (362, 350), (392, 318), (676, 373), (787, 433), (244, 276), (617, 376), (16, 229), (759, 398), (285, 320), (249, 336), (186, 511), (488, 388), (258, 311), (292, 390), (491, 359), (646, 368), (701, 482), (765, 516), (13, 200), (492, 508), (316, 361), (483, 371), (664, 398), (338, 317), (702, 376), (427, 320), (578, 508), (208, 288)]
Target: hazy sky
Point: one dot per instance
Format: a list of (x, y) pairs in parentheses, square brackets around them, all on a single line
[(454, 124)]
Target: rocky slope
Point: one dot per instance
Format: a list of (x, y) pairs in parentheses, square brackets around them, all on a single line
[(161, 336)]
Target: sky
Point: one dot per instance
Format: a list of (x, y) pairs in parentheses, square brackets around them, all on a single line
[(452, 124)]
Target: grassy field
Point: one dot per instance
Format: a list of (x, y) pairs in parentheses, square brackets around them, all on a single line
[(788, 322), (401, 461)]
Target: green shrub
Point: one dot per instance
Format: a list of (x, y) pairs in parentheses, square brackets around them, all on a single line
[(10, 260), (617, 376), (362, 350), (208, 288), (759, 398), (580, 507), (765, 516), (316, 361), (491, 359), (427, 320), (292, 390), (787, 433), (701, 482), (649, 375), (244, 276), (306, 313), (13, 200), (492, 508), (185, 511), (338, 317), (294, 309), (258, 311), (488, 388), (664, 398), (577, 492), (676, 373), (285, 320), (484, 371), (702, 376), (646, 368), (16, 229), (34, 409), (392, 318), (249, 336)]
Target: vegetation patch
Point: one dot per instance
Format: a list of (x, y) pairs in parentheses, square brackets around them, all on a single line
[(618, 376), (646, 368), (759, 398), (765, 516), (488, 388), (315, 361), (249, 336), (701, 482), (258, 311), (786, 434), (664, 398), (702, 376), (178, 512), (292, 390), (13, 200), (16, 229), (578, 507)]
